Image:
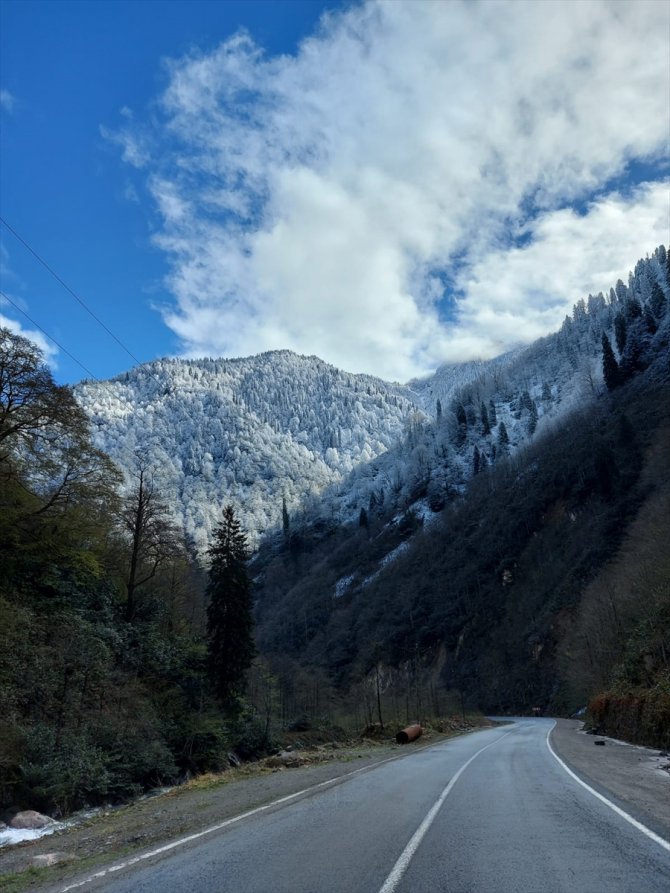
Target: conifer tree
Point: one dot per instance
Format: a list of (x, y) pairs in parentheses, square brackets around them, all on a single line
[(230, 640), (503, 436), (286, 523), (493, 417), (620, 332), (657, 301), (476, 461), (486, 427), (611, 372)]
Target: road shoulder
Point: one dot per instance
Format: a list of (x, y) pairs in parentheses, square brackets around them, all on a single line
[(629, 775)]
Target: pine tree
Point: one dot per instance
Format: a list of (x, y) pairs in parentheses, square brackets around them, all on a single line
[(286, 523), (476, 461), (620, 332), (611, 372), (486, 426), (462, 420), (657, 301), (493, 417), (230, 640), (363, 518), (438, 411), (531, 425), (503, 436)]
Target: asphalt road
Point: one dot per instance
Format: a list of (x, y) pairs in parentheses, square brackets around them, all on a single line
[(491, 812)]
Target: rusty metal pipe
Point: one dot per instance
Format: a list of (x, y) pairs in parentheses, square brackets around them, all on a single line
[(411, 733)]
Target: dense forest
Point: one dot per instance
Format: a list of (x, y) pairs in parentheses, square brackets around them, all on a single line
[(106, 686)]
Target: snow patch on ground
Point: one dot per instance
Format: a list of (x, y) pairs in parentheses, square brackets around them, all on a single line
[(12, 836), (343, 585)]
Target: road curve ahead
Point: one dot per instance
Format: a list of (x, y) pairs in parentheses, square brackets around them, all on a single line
[(491, 812)]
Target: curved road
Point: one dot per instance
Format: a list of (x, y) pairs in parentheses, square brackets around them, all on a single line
[(491, 812)]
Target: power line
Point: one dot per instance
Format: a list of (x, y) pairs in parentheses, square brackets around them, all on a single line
[(68, 289), (44, 332)]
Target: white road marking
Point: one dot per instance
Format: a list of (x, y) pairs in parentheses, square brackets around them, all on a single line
[(405, 857), (624, 815), (238, 818)]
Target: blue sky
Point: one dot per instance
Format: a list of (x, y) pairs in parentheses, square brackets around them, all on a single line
[(227, 178), (70, 68)]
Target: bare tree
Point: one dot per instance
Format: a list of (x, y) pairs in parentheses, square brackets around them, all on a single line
[(154, 537)]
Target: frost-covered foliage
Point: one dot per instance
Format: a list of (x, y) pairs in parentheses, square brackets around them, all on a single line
[(249, 432), (483, 411)]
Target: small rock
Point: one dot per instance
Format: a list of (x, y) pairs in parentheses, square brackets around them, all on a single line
[(601, 743), (3, 827), (30, 819), (233, 760), (46, 859)]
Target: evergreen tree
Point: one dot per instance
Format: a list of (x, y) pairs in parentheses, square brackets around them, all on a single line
[(633, 309), (503, 437), (657, 300), (462, 420), (476, 461), (493, 417), (286, 523), (611, 372), (649, 321), (532, 418), (546, 392), (363, 519), (438, 412), (620, 332), (486, 426), (230, 640)]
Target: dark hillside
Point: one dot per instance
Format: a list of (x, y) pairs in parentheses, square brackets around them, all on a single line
[(493, 585)]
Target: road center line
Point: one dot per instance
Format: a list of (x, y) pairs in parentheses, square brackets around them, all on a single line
[(405, 857), (624, 815)]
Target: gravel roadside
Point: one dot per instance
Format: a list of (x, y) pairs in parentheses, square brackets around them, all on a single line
[(204, 802), (633, 777)]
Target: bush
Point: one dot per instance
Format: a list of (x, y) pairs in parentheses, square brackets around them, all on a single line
[(59, 778)]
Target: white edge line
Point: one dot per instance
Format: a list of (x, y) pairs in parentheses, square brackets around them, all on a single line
[(624, 815), (238, 818), (405, 857)]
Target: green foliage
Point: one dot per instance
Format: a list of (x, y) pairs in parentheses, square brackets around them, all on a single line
[(229, 612), (93, 708)]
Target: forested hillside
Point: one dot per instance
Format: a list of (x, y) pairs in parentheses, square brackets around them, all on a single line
[(104, 683), (494, 596)]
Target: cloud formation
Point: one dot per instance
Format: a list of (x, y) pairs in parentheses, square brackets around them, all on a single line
[(324, 201), (7, 101)]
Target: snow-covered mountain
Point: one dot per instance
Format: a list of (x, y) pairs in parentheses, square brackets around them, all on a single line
[(257, 431), (252, 432)]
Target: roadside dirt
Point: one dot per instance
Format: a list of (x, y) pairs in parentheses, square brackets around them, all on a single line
[(636, 776), (205, 801)]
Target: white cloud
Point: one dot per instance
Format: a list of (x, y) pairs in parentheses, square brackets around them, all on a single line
[(7, 101), (47, 348), (309, 201)]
